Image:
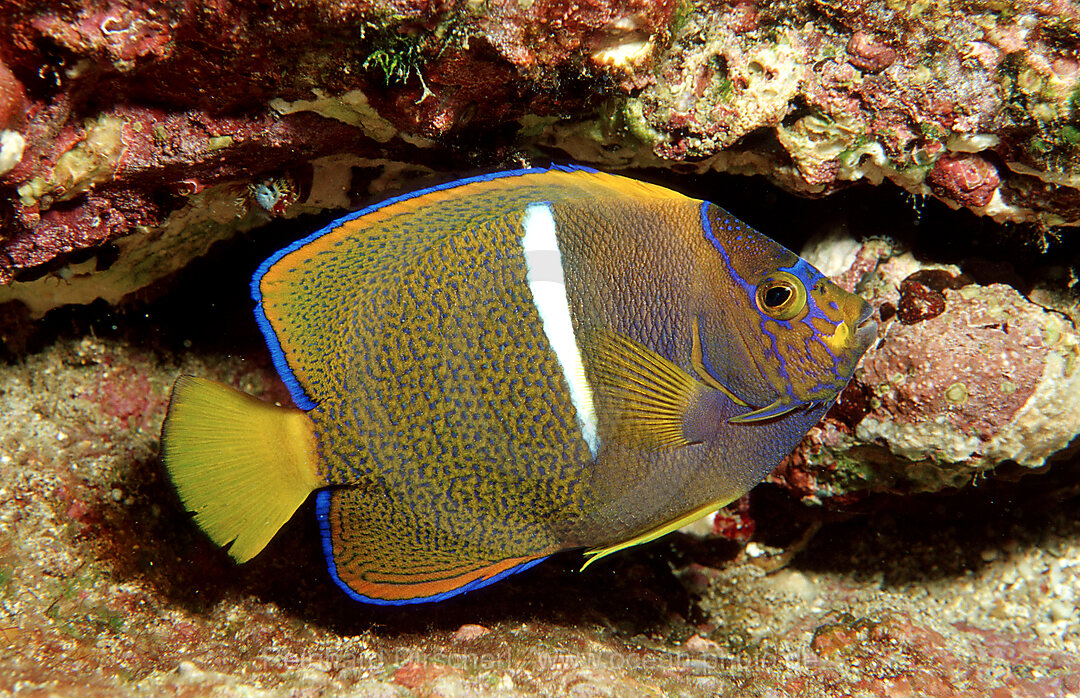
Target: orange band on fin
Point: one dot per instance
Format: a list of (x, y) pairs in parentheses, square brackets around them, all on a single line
[(402, 586)]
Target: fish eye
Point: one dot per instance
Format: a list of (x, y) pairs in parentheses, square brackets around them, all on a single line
[(776, 296), (781, 296)]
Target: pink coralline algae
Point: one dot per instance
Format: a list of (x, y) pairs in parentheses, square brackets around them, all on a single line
[(965, 376), (107, 32), (969, 180), (147, 122), (12, 98), (923, 372), (734, 521), (539, 34), (867, 54)]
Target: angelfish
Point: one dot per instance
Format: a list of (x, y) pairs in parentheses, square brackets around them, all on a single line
[(503, 367)]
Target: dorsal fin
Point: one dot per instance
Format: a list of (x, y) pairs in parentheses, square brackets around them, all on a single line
[(306, 294)]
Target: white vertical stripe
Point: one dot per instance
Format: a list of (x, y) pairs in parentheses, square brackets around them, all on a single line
[(543, 263)]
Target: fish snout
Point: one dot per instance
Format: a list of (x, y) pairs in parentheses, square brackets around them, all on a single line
[(866, 328)]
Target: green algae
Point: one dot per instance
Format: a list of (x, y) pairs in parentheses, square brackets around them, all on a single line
[(396, 57)]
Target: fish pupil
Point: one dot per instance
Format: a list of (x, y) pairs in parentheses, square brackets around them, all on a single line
[(777, 296)]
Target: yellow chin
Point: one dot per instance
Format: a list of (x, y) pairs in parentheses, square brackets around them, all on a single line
[(839, 340)]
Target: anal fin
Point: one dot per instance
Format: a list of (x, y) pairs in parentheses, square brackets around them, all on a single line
[(378, 565)]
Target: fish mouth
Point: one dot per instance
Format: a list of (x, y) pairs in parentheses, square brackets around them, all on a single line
[(866, 329)]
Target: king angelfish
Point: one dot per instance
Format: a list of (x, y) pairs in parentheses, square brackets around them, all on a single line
[(497, 369)]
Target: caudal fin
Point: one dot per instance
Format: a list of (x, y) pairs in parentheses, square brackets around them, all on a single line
[(241, 466)]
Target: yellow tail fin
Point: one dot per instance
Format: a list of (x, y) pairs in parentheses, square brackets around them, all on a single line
[(241, 465)]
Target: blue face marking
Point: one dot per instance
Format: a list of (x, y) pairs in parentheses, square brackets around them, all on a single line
[(706, 226), (751, 290), (779, 357), (811, 278)]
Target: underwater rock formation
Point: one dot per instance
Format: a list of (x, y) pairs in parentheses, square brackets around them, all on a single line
[(966, 376), (134, 134)]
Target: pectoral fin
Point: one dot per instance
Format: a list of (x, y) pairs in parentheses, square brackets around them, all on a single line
[(645, 398)]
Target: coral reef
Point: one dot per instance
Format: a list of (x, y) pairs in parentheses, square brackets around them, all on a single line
[(142, 140), (973, 104), (115, 117)]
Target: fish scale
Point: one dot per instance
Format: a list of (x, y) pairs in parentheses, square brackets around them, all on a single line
[(493, 370), (415, 476)]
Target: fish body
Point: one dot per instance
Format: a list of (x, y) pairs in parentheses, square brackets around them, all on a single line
[(493, 370)]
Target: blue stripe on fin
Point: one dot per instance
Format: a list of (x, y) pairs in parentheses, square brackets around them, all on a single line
[(322, 512), (299, 395)]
